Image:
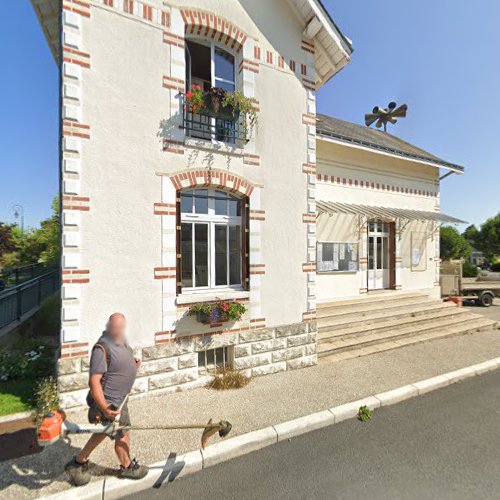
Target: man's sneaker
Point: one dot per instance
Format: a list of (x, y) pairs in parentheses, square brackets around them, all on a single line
[(133, 471), (78, 473)]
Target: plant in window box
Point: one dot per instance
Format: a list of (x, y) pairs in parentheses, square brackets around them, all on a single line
[(240, 105), (214, 99), (195, 100), (217, 312)]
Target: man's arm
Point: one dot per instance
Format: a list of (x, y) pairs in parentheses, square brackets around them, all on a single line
[(98, 395)]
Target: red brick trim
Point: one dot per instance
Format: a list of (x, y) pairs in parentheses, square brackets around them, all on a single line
[(269, 57), (75, 276), (209, 25), (214, 178), (281, 61), (164, 209), (259, 215), (250, 159), (309, 267), (74, 350), (161, 337), (363, 260), (75, 129), (256, 269), (309, 218), (109, 3), (162, 273), (303, 69), (257, 52), (309, 119), (309, 316), (76, 203), (309, 84), (128, 6), (173, 83), (147, 12), (75, 56), (78, 7), (173, 146), (173, 39), (249, 65), (165, 19), (292, 65), (308, 46), (375, 186), (309, 168)]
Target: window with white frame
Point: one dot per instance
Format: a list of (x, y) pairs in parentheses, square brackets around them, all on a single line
[(211, 234), (210, 66)]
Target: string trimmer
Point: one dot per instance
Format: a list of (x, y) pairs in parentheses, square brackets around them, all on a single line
[(55, 426)]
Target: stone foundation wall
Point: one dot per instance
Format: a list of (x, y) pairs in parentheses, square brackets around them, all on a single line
[(173, 366)]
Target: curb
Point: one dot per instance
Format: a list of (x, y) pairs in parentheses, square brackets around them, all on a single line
[(12, 417), (177, 466)]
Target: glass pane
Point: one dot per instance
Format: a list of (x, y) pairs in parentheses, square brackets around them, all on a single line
[(201, 201), (371, 226), (234, 207), (234, 255), (187, 254), (220, 255), (186, 203), (379, 253), (385, 256), (370, 252), (201, 255), (229, 87), (220, 203), (224, 65), (327, 252)]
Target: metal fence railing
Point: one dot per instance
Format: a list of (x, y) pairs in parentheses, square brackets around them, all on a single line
[(16, 301), (18, 275)]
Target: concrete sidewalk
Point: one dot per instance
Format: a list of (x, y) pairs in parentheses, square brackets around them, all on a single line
[(266, 401)]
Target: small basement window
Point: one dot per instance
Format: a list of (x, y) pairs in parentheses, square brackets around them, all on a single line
[(212, 359)]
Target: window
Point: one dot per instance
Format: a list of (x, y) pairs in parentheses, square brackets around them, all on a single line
[(332, 257), (210, 66), (212, 359), (211, 240)]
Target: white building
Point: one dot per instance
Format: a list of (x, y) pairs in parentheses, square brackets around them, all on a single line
[(163, 208)]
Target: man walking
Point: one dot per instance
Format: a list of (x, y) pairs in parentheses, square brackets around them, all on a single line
[(113, 370)]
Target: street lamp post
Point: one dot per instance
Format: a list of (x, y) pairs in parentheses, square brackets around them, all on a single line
[(19, 213)]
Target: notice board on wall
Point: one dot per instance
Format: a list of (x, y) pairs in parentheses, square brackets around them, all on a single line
[(336, 257)]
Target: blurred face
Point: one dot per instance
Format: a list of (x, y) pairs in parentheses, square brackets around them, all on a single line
[(117, 326)]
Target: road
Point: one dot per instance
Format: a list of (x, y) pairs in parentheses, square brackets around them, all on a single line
[(443, 445)]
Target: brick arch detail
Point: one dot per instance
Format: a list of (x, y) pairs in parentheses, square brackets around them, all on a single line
[(212, 178), (209, 25)]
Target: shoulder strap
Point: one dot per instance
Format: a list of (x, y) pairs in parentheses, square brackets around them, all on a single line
[(106, 350)]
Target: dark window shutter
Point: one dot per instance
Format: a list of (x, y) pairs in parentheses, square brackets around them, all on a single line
[(245, 239), (178, 243)]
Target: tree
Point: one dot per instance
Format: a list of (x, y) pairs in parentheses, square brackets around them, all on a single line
[(7, 244), (471, 234), (49, 234), (488, 238), (453, 245)]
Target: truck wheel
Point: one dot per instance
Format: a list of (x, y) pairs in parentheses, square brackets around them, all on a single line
[(486, 299)]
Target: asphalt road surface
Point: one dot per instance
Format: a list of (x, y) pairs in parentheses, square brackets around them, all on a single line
[(443, 445)]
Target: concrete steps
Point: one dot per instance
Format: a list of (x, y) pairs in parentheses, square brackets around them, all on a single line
[(348, 329)]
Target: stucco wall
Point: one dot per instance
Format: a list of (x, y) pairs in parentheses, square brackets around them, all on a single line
[(123, 71)]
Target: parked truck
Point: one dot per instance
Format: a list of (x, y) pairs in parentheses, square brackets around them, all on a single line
[(482, 290)]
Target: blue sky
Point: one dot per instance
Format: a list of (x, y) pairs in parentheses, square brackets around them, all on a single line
[(440, 57)]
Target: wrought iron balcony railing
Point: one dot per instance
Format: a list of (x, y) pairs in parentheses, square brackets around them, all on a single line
[(209, 125)]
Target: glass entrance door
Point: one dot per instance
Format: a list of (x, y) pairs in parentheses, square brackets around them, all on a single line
[(378, 255)]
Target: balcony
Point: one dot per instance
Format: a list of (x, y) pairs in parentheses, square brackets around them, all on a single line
[(224, 125)]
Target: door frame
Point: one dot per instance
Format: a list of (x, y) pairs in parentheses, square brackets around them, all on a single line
[(390, 248)]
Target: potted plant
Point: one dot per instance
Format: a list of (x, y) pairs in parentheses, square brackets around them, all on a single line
[(214, 100), (240, 105), (217, 312), (195, 100)]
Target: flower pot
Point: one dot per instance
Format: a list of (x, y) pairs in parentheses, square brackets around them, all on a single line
[(202, 317), (222, 112)]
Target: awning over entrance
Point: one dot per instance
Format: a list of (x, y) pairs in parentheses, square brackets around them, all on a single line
[(330, 208)]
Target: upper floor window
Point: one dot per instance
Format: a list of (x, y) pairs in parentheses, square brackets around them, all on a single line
[(212, 69), (211, 239)]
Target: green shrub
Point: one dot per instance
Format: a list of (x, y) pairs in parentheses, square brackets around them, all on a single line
[(469, 270), (495, 267), (47, 321), (364, 413)]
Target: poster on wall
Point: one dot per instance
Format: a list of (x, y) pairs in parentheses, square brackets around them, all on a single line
[(337, 257)]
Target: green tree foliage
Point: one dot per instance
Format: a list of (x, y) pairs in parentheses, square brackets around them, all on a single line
[(486, 238), (34, 245), (453, 245), (7, 244)]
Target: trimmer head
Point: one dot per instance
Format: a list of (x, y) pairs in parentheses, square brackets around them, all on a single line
[(223, 428)]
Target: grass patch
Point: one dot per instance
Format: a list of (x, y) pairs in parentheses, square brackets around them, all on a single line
[(16, 396), (364, 413), (227, 378)]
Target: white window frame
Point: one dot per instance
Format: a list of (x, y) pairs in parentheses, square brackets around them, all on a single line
[(212, 220), (213, 45)]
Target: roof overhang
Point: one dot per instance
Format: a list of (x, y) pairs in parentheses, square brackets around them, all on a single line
[(332, 48), (366, 146), (371, 211), (48, 12)]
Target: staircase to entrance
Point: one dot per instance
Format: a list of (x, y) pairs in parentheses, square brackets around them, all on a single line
[(352, 328)]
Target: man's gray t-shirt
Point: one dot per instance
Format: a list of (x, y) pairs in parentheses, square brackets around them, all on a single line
[(119, 377)]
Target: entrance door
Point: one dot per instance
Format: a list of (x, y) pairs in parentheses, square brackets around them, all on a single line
[(378, 255)]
